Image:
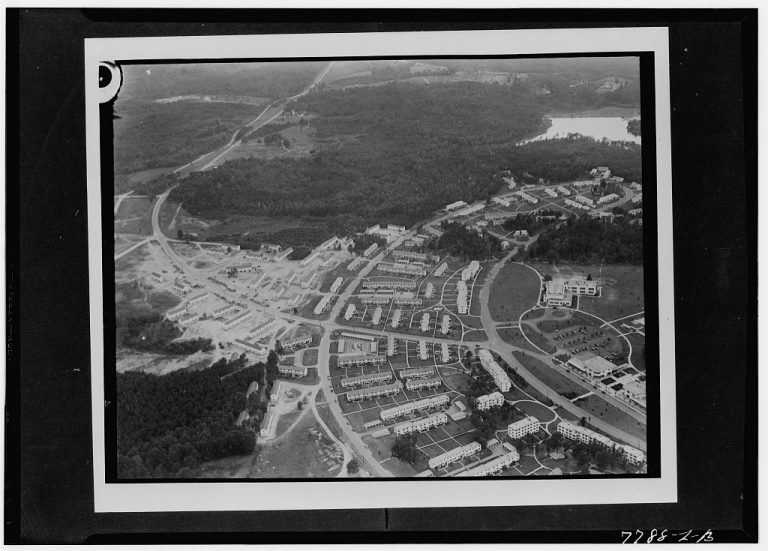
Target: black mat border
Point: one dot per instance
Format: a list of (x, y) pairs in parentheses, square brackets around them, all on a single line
[(48, 480)]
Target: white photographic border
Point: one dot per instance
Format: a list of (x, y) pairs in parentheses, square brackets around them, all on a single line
[(383, 493)]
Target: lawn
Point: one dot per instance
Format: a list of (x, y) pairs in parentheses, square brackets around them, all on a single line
[(548, 375), (538, 339), (515, 337), (515, 290), (543, 414), (622, 293), (638, 351), (309, 357), (598, 407), (325, 413), (455, 379)]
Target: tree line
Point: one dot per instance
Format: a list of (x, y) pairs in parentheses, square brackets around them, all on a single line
[(588, 240)]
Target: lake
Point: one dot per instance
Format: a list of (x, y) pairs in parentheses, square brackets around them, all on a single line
[(612, 128)]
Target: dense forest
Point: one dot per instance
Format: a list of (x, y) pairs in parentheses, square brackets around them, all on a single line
[(416, 147), (154, 135), (587, 240), (152, 333), (167, 425), (571, 158), (466, 243)]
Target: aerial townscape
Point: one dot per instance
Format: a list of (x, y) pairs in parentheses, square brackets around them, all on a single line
[(380, 269)]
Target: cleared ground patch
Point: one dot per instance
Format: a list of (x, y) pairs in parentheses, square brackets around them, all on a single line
[(515, 289)]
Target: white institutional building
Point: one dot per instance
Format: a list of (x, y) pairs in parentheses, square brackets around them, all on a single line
[(518, 429), (487, 401), (494, 369)]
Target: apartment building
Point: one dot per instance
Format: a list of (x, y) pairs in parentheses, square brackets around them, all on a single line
[(429, 292), (336, 285), (368, 393), (494, 369), (424, 322), (376, 316), (323, 304), (454, 455), (487, 401), (264, 328), (445, 352), (188, 319), (417, 372), (563, 191), (493, 466), (409, 407), (237, 320), (351, 311), (423, 354), (391, 346), (462, 302), (518, 429), (250, 347), (419, 384), (420, 425), (292, 370), (176, 313), (367, 379), (292, 344), (350, 360), (441, 269), (402, 269), (445, 326)]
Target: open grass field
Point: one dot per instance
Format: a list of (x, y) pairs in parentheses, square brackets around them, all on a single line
[(598, 407), (538, 339), (134, 216), (515, 290), (548, 375), (455, 379), (621, 294), (543, 414), (132, 300), (514, 336)]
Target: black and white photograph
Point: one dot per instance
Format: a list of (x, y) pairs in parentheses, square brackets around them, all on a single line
[(415, 274), (384, 267)]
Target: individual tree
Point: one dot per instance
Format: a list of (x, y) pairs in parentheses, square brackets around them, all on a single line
[(352, 466), (180, 234), (404, 448)]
